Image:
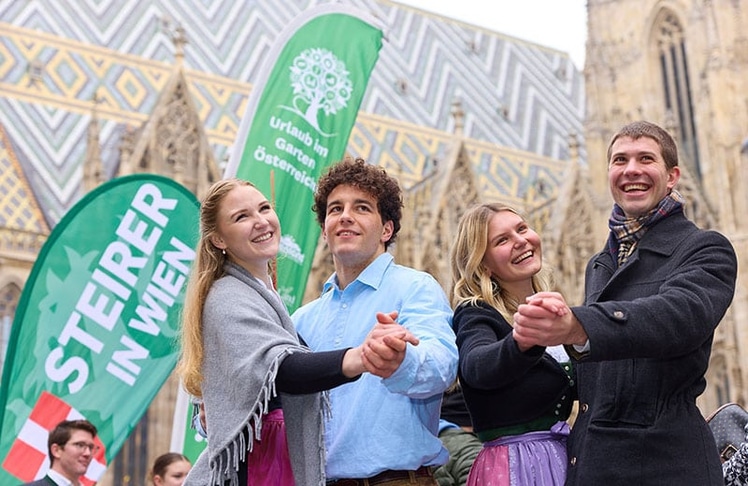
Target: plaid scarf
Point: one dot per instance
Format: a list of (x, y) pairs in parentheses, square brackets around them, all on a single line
[(625, 232)]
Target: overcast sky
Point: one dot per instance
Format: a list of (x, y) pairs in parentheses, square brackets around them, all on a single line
[(560, 24)]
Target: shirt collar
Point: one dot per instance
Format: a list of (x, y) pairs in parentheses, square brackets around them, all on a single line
[(58, 478), (371, 276)]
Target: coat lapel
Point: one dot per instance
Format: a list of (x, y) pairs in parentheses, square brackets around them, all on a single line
[(663, 238)]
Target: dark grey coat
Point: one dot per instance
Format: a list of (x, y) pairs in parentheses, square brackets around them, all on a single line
[(650, 326), (45, 481)]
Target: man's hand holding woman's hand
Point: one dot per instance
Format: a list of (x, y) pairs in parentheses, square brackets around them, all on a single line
[(546, 320), (384, 348)]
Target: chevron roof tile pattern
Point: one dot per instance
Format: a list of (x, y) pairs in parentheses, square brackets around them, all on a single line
[(22, 224), (521, 100)]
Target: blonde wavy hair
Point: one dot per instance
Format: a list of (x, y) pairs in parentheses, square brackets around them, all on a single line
[(471, 280), (206, 269)]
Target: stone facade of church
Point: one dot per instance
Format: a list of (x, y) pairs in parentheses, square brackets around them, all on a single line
[(683, 65)]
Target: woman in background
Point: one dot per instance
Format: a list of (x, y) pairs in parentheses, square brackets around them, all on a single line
[(170, 469)]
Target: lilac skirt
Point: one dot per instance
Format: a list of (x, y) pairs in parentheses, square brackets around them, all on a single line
[(534, 458), (269, 464)]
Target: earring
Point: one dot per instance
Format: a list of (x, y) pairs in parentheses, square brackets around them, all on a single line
[(223, 251)]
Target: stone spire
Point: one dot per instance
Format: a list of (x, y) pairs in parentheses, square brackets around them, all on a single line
[(172, 142), (93, 169), (179, 38), (459, 117)]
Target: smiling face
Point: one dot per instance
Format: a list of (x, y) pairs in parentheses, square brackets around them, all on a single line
[(353, 229), (638, 175), (247, 229), (72, 459), (513, 253)]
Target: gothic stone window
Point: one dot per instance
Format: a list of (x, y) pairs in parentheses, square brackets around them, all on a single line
[(671, 47)]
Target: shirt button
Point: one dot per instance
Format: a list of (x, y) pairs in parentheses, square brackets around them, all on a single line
[(618, 314), (345, 306)]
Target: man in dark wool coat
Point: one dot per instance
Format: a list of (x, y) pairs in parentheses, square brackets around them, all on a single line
[(653, 298)]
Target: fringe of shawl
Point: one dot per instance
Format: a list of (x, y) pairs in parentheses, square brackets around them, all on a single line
[(225, 465), (325, 411)]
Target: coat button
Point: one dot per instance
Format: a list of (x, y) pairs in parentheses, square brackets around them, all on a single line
[(618, 314), (584, 408), (573, 461)]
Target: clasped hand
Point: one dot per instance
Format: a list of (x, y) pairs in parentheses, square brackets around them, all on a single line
[(384, 349), (545, 320)]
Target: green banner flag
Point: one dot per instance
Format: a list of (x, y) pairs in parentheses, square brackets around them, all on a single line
[(95, 332), (298, 120)]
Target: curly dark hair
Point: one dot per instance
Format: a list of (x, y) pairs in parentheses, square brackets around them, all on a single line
[(371, 179)]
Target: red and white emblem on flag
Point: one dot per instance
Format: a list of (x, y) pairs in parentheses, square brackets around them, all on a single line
[(27, 459)]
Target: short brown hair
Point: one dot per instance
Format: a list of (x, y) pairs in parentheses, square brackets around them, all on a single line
[(62, 432), (639, 129), (371, 179)]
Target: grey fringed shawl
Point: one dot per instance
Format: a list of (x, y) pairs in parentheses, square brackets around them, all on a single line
[(247, 332)]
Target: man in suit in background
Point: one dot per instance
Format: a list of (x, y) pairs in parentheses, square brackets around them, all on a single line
[(71, 448)]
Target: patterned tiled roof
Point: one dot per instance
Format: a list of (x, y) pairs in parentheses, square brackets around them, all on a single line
[(22, 224), (521, 100), (19, 209)]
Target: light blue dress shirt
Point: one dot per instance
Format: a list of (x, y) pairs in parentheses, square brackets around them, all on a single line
[(379, 424)]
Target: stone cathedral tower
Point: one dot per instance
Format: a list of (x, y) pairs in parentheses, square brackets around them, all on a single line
[(682, 64)]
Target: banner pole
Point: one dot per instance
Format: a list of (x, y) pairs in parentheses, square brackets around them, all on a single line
[(178, 431)]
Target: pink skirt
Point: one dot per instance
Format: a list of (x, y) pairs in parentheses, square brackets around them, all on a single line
[(269, 464), (530, 459)]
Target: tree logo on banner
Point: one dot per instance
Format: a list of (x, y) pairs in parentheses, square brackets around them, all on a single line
[(321, 81), (299, 116)]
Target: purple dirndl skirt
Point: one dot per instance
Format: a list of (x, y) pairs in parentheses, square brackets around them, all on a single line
[(533, 458), (269, 463)]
